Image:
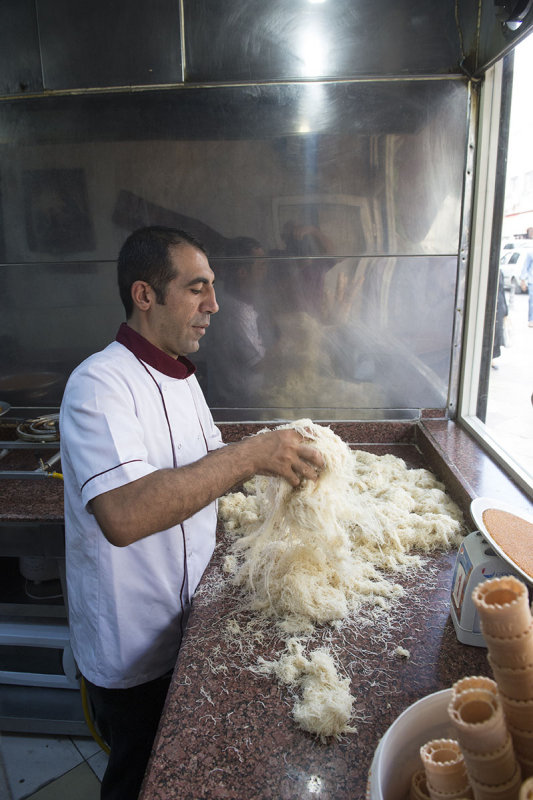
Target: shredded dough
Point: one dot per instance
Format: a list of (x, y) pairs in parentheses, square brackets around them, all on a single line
[(402, 652), (314, 555), (326, 704)]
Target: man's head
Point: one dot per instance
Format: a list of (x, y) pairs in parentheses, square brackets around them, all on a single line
[(241, 275), (146, 256), (166, 285)]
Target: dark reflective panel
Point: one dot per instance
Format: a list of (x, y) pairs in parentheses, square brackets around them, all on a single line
[(51, 317), (376, 167), (240, 113), (326, 333), (273, 39), (104, 43), (20, 62), (331, 213)]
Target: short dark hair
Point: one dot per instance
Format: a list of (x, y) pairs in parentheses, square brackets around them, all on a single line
[(242, 250), (144, 256)]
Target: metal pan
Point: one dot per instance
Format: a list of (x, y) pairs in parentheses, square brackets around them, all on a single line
[(4, 407)]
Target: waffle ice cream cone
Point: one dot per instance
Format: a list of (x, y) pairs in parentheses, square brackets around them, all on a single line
[(477, 717), (444, 766), (526, 790), (495, 767), (514, 682), (419, 788), (501, 791), (518, 713), (526, 765), (503, 607), (474, 682), (511, 651), (522, 742)]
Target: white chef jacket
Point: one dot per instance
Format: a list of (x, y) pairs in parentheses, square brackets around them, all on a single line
[(123, 417)]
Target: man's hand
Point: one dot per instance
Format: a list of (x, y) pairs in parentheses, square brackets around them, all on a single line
[(284, 453)]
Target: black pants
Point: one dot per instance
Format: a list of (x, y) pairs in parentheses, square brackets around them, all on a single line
[(127, 720)]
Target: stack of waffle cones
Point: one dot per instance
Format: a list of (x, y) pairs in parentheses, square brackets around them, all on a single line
[(507, 626), (477, 715), (492, 719)]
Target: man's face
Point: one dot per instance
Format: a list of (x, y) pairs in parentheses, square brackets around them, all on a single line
[(177, 326)]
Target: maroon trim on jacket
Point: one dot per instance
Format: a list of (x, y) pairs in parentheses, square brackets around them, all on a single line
[(131, 461), (157, 386), (146, 351)]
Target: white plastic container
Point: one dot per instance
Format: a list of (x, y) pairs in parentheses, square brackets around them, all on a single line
[(397, 755)]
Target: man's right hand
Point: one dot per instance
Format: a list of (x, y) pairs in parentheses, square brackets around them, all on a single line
[(283, 453)]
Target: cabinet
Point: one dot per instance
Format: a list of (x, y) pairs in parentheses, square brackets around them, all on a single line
[(39, 682)]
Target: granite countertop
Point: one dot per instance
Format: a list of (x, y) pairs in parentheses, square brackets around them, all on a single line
[(228, 733), (27, 500), (31, 501)]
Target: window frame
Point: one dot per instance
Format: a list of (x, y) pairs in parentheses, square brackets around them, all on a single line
[(482, 280)]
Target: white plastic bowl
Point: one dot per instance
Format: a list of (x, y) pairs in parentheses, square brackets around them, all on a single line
[(397, 755)]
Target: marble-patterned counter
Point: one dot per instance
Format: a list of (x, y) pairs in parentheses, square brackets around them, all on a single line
[(228, 733), (27, 500)]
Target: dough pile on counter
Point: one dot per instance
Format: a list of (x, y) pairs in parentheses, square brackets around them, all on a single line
[(313, 556)]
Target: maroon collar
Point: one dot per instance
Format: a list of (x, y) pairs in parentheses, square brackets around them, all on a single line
[(173, 367)]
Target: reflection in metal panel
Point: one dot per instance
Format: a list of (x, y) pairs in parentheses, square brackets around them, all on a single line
[(102, 43), (278, 39), (52, 317), (233, 113), (316, 333), (326, 333), (378, 168), (20, 63), (348, 194)]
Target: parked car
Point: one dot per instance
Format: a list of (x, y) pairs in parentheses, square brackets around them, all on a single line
[(515, 244), (511, 264)]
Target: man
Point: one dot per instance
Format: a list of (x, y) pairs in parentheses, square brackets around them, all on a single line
[(237, 331), (143, 465), (526, 282)]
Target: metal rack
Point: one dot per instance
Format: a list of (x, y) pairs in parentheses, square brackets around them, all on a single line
[(39, 434)]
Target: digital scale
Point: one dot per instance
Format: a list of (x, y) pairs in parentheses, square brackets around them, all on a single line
[(479, 559)]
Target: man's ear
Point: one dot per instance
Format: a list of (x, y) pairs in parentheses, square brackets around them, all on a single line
[(142, 295)]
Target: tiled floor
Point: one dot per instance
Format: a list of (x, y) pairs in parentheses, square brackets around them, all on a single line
[(39, 767)]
